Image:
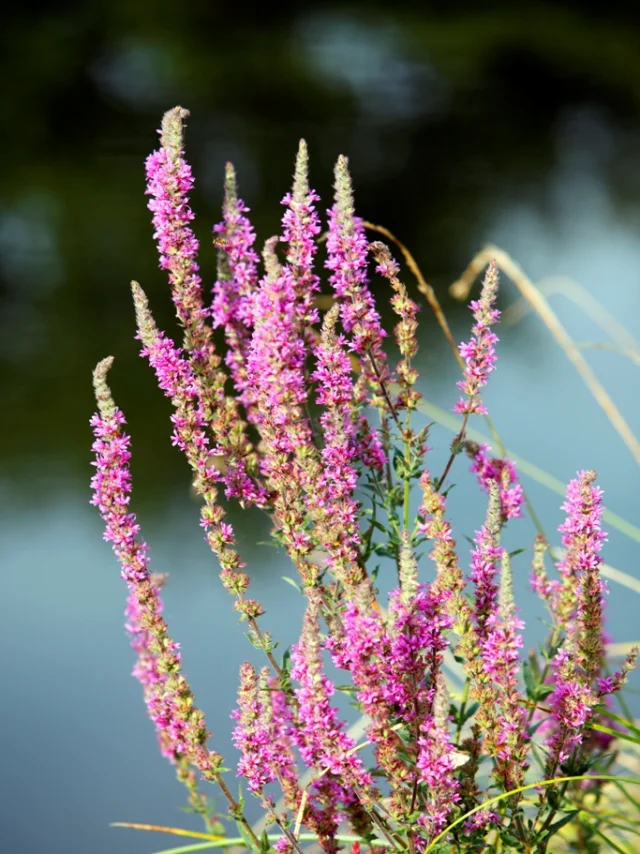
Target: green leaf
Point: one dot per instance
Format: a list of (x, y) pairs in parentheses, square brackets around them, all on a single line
[(622, 735), (470, 712), (559, 824), (245, 836), (623, 721), (292, 583), (543, 691), (384, 550), (529, 680)]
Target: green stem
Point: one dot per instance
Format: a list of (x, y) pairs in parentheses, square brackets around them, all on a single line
[(407, 478), (463, 708), (455, 450)]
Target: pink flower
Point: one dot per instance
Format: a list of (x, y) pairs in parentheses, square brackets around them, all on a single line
[(501, 471), (582, 594), (237, 283), (179, 723), (436, 766), (347, 260), (479, 353), (508, 740), (319, 735), (169, 181), (259, 735), (334, 495), (300, 228), (577, 665), (485, 560)]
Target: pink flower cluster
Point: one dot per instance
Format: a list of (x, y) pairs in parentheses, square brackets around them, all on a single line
[(234, 290), (347, 260), (501, 471), (169, 181), (580, 595), (479, 353), (179, 724), (320, 738), (285, 426)]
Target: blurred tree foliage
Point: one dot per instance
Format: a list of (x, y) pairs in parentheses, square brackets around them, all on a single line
[(447, 110)]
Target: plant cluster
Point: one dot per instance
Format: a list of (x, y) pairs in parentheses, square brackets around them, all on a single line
[(284, 422)]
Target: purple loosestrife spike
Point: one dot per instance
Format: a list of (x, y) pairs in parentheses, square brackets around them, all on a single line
[(281, 342), (252, 736), (418, 638), (450, 581), (503, 472), (572, 703), (347, 260), (479, 354), (180, 382), (578, 663), (300, 228), (485, 559), (333, 501), (237, 283), (276, 370), (321, 818), (395, 670), (169, 181), (179, 723), (319, 734), (436, 763), (583, 538), (405, 330), (508, 742), (177, 380), (364, 649), (434, 526)]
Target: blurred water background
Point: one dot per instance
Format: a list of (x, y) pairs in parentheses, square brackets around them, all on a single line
[(464, 122)]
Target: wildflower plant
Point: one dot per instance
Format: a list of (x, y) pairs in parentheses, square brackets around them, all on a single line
[(284, 420)]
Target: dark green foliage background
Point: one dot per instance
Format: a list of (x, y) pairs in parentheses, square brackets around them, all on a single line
[(446, 110)]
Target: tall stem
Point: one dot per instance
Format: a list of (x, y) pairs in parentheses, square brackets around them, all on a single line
[(236, 811), (455, 446), (407, 478)]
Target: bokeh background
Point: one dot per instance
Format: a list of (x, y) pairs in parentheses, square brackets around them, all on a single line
[(465, 122)]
